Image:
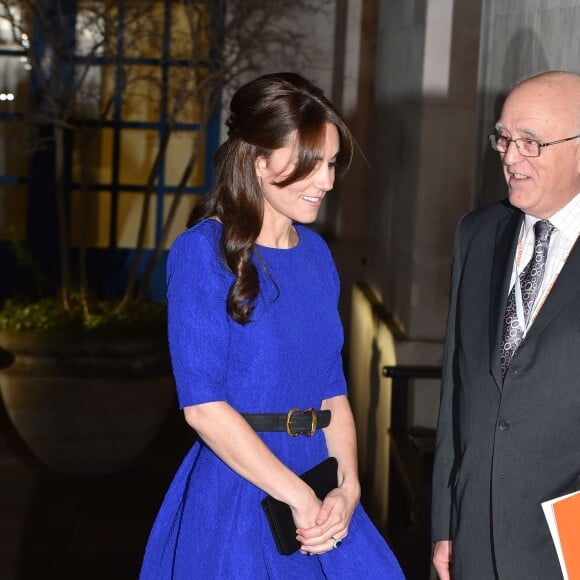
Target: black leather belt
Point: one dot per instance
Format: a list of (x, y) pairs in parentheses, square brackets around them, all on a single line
[(295, 422)]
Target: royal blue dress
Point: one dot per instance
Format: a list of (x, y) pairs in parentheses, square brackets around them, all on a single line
[(211, 524)]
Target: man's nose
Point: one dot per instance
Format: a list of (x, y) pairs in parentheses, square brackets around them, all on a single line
[(512, 153)]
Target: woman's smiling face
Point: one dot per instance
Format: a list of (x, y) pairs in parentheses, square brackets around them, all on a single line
[(299, 201)]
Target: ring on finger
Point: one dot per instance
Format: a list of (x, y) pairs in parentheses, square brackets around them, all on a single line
[(336, 542)]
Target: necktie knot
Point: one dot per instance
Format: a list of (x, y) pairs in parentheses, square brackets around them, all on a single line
[(543, 230)]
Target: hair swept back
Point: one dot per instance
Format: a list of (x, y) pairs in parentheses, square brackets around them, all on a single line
[(263, 115)]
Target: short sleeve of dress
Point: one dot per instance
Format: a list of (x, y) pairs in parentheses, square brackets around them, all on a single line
[(198, 324), (336, 382)]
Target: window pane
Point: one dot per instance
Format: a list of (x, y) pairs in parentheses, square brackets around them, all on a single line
[(13, 211), (91, 27), (180, 148), (94, 92), (12, 12), (130, 207), (184, 96), (14, 148), (144, 24), (91, 218), (186, 205), (14, 88), (190, 25), (93, 156), (142, 95), (138, 151)]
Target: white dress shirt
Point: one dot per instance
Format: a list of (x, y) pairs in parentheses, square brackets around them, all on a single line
[(567, 224)]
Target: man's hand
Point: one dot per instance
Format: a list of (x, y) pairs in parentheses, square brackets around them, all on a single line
[(442, 559)]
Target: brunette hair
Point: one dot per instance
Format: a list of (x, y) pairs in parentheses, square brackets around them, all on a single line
[(263, 114)]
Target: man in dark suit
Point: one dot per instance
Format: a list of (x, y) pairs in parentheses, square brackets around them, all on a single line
[(508, 434)]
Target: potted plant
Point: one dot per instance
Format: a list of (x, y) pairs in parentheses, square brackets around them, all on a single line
[(88, 369), (85, 399)]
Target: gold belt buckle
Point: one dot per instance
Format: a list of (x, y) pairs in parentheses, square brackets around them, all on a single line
[(313, 422)]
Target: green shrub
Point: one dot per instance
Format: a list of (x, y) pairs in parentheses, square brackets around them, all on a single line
[(47, 315)]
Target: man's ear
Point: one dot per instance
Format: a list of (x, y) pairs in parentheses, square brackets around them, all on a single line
[(261, 166)]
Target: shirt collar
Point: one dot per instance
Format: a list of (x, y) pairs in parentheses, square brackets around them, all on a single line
[(566, 220)]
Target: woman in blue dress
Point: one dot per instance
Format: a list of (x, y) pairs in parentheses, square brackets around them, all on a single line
[(254, 329)]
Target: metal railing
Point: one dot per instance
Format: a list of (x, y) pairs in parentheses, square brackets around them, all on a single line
[(411, 452)]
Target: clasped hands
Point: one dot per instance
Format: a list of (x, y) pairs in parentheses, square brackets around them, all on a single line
[(331, 521)]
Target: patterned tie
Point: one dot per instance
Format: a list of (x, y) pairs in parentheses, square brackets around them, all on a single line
[(530, 283)]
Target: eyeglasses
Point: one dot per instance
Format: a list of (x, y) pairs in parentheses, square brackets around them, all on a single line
[(526, 147)]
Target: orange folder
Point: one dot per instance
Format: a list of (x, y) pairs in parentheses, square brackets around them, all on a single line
[(567, 514), (563, 517)]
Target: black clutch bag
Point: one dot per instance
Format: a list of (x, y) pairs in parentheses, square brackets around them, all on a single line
[(322, 478)]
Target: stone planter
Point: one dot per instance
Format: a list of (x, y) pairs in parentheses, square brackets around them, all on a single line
[(82, 404)]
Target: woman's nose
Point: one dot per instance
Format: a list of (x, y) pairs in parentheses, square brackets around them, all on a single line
[(325, 177)]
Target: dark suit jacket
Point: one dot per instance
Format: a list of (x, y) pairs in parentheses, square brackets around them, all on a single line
[(503, 447)]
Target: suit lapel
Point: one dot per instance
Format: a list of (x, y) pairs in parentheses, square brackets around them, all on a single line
[(567, 285), (506, 241)]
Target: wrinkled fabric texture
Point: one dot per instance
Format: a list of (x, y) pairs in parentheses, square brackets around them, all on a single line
[(211, 523)]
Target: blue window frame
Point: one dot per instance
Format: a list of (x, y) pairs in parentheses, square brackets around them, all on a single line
[(123, 142)]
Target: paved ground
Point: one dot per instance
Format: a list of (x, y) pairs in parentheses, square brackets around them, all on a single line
[(58, 527)]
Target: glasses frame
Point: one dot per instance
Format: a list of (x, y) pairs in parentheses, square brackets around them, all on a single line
[(494, 136)]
